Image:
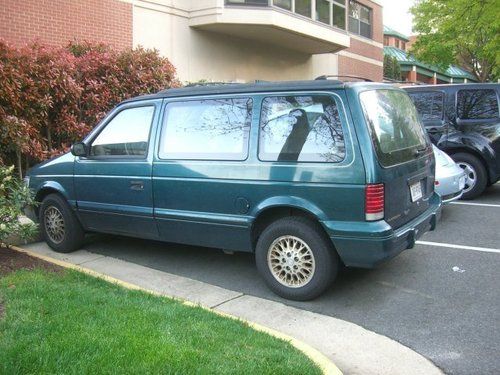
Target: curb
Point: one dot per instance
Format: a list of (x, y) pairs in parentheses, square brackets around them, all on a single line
[(325, 364)]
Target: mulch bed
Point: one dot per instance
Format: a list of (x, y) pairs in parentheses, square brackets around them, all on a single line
[(11, 260)]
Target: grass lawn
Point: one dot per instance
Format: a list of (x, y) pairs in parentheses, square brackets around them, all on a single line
[(68, 322)]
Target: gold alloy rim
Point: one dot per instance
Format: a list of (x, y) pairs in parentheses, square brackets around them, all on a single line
[(291, 261), (54, 224)]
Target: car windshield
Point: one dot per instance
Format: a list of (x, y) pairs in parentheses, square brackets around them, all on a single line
[(394, 125)]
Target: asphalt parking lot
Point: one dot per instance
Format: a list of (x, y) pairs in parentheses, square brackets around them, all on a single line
[(440, 298)]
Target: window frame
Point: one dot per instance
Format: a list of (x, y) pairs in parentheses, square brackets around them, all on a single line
[(370, 14), (163, 125), (343, 122), (443, 97), (107, 120), (477, 119)]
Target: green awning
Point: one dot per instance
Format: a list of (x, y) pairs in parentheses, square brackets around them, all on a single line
[(407, 61)]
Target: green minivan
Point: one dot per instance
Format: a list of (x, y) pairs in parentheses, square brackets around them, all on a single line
[(307, 175)]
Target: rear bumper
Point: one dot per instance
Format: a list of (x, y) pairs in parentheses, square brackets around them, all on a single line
[(367, 244), (451, 183)]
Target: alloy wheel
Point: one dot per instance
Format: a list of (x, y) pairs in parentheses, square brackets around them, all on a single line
[(54, 224), (470, 176), (291, 261)]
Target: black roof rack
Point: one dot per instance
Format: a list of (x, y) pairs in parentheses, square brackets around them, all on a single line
[(237, 88), (203, 84), (326, 76)]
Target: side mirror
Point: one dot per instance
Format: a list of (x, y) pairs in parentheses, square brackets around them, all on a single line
[(79, 149)]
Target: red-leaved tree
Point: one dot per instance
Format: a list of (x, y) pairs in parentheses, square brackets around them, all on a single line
[(52, 96)]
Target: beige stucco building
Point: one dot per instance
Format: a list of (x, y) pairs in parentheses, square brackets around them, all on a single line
[(219, 40)]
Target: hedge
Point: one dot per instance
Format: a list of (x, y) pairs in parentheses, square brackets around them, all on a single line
[(53, 96)]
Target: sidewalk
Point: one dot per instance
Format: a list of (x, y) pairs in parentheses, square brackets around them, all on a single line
[(352, 348)]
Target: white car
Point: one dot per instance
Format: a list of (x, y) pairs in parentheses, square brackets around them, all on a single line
[(450, 178)]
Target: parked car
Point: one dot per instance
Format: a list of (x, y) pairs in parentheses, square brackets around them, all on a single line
[(450, 178), (463, 120), (303, 174)]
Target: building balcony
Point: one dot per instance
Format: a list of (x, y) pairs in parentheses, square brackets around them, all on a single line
[(308, 30)]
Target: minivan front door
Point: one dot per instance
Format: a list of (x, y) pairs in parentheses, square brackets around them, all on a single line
[(113, 183)]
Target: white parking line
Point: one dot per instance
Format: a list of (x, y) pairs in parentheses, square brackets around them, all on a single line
[(463, 247), (476, 204)]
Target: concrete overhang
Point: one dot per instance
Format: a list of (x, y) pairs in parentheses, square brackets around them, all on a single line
[(272, 26)]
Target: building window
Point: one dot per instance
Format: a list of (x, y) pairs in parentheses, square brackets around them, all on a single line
[(330, 12), (360, 19), (303, 7), (338, 11), (403, 46), (211, 129), (285, 4), (301, 128), (248, 2), (323, 11)]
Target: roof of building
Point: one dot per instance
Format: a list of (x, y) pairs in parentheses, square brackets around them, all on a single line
[(397, 34), (405, 58), (456, 71)]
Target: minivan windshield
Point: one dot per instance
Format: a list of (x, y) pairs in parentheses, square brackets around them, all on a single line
[(394, 125)]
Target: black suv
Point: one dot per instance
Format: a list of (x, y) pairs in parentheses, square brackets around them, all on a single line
[(463, 120)]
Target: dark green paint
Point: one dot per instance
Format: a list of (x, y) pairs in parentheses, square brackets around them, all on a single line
[(216, 203)]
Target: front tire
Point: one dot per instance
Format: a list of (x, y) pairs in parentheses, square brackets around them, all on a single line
[(59, 225), (296, 258), (476, 176)]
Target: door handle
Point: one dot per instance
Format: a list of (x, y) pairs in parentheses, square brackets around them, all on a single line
[(136, 185)]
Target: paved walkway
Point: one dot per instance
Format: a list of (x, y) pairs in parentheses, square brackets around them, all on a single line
[(352, 348)]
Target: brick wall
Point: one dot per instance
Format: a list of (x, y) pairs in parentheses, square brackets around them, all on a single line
[(59, 21), (350, 66), (365, 48)]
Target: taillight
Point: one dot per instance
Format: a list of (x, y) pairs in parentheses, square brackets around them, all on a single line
[(374, 202)]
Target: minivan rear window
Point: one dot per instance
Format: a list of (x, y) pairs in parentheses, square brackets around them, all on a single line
[(301, 128), (394, 125)]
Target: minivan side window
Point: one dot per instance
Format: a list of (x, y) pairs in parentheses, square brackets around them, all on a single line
[(207, 129), (477, 104), (301, 128), (126, 135), (429, 104)]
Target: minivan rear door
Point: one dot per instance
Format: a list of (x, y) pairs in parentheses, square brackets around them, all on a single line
[(405, 160)]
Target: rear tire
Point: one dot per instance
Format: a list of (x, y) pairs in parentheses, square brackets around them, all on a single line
[(296, 258), (476, 176), (59, 225)]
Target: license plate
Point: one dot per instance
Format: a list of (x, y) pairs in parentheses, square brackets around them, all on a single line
[(416, 191)]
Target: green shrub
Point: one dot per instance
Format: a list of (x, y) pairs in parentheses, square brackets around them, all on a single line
[(14, 197)]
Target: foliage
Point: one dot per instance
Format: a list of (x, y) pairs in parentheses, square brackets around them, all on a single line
[(14, 196), (392, 70), (68, 322), (459, 32), (52, 96)]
